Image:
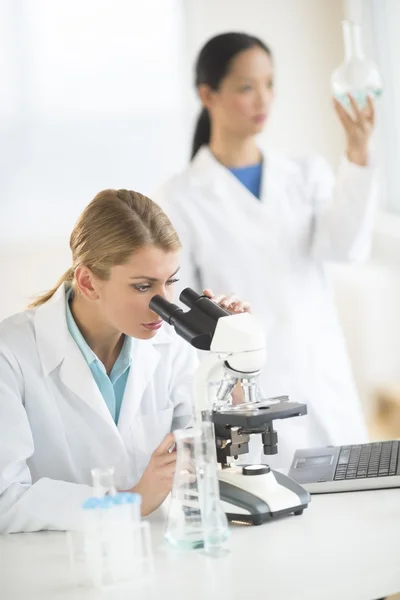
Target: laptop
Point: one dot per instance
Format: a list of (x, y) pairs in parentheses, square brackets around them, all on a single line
[(348, 468)]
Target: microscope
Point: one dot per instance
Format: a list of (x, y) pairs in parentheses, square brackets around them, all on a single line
[(251, 494)]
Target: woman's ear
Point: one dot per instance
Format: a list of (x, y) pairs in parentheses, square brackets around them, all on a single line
[(85, 281), (206, 95)]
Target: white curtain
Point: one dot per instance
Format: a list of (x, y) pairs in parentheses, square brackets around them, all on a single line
[(383, 22)]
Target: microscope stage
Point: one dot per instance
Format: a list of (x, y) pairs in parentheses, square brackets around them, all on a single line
[(255, 418)]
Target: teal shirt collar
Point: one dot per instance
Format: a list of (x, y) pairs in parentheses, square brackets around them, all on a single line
[(124, 359)]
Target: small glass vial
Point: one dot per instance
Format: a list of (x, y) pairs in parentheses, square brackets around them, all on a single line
[(103, 482)]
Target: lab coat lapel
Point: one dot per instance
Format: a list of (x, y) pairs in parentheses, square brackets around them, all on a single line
[(271, 182), (76, 375), (57, 349), (277, 192), (256, 221), (213, 175), (222, 183), (145, 359)]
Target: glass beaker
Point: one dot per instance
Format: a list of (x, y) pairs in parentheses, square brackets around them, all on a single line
[(196, 518), (185, 525), (357, 75)]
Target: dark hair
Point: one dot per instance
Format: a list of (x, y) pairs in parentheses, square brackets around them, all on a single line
[(212, 66)]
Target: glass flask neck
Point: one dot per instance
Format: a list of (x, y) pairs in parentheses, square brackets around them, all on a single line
[(352, 40)]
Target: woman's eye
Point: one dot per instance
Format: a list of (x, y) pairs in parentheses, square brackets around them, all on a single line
[(246, 88), (144, 287)]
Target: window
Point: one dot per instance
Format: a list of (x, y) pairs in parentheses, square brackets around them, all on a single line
[(382, 20), (92, 97)]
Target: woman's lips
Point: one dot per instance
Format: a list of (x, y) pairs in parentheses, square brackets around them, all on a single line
[(259, 119), (153, 326)]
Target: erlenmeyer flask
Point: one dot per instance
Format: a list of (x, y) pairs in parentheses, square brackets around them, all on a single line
[(215, 522), (185, 525), (357, 75)]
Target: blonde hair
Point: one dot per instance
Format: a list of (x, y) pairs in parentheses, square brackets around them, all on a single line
[(115, 224)]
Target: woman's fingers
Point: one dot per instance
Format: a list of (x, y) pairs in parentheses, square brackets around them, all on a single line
[(359, 116), (166, 473), (370, 110), (245, 307), (343, 115), (230, 302), (167, 443)]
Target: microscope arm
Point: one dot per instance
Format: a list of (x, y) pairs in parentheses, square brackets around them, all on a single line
[(238, 343), (210, 369)]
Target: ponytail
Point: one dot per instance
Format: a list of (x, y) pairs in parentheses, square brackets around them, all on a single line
[(124, 221), (202, 132), (66, 278)]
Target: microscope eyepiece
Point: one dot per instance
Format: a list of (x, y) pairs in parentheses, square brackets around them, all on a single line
[(196, 325), (164, 309), (203, 304), (189, 297)]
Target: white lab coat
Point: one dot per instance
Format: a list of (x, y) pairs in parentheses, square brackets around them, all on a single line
[(272, 253), (55, 425)]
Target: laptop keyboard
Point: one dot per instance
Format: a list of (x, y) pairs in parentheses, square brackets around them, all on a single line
[(379, 459)]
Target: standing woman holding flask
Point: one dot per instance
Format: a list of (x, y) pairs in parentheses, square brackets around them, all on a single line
[(265, 225)]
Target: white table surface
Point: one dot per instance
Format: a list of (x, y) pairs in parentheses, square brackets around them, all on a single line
[(344, 547)]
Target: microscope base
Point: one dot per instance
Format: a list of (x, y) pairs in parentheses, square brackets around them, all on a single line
[(256, 499)]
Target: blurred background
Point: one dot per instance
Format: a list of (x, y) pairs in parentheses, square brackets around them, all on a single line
[(100, 94)]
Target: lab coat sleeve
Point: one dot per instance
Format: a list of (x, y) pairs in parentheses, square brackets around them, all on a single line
[(171, 203), (343, 212), (45, 504), (185, 363)]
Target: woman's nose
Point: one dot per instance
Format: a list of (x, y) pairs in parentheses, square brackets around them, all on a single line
[(165, 292), (263, 98)]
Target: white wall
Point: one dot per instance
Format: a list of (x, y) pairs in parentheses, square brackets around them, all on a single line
[(91, 97), (29, 268), (305, 37), (368, 300)]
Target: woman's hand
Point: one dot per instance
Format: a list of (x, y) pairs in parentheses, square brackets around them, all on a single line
[(230, 302), (358, 128), (156, 482)]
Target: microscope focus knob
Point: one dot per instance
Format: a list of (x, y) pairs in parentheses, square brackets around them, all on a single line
[(256, 470)]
